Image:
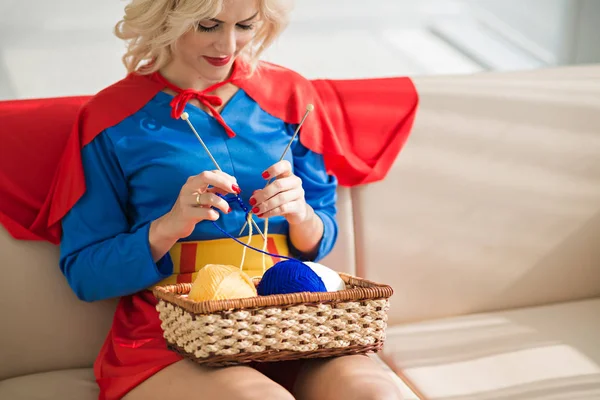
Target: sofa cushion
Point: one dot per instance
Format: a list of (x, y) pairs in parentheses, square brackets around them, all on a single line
[(548, 352), (44, 326), (73, 384)]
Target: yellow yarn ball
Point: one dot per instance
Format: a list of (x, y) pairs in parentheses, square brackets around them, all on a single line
[(221, 282)]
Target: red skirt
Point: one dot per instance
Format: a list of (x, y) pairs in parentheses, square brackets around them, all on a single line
[(135, 350)]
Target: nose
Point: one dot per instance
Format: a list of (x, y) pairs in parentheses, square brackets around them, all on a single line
[(226, 43)]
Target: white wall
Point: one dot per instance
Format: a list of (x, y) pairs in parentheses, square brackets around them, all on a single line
[(557, 32), (540, 26), (587, 49)]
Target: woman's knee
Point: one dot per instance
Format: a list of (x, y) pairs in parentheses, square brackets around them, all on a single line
[(269, 392), (381, 391), (184, 379), (264, 390), (346, 378)]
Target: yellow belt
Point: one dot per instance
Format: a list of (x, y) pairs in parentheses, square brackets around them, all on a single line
[(189, 257)]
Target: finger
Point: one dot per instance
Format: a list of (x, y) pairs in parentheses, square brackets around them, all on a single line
[(274, 188), (217, 179), (202, 214), (208, 200), (280, 169), (282, 210), (278, 201), (216, 190)]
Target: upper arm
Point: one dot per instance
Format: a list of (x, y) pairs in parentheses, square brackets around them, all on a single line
[(101, 211)]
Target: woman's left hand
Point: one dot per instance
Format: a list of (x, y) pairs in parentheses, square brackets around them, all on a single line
[(284, 196)]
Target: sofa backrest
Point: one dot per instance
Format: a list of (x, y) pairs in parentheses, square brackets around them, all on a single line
[(44, 326), (494, 202), (342, 257)]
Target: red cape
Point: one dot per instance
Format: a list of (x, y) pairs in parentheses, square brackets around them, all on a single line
[(359, 126)]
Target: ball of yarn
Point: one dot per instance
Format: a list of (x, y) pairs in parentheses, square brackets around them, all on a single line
[(290, 276), (332, 280), (221, 282)]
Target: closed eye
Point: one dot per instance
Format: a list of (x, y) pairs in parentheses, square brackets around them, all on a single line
[(213, 28), (246, 27), (203, 28)]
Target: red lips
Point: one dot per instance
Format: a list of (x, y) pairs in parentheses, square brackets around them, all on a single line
[(218, 61)]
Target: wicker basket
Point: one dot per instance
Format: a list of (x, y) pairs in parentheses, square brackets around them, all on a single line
[(275, 328)]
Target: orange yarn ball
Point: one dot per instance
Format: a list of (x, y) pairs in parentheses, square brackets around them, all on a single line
[(221, 282)]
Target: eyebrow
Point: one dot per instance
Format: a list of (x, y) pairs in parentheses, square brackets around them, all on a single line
[(246, 20)]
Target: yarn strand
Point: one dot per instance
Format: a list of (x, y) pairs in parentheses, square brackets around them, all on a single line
[(249, 241), (247, 245), (264, 249)]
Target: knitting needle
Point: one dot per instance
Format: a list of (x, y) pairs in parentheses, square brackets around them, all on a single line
[(309, 108), (186, 117)]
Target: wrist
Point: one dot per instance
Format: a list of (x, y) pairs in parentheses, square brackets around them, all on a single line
[(159, 238), (303, 218), (160, 232), (306, 235)]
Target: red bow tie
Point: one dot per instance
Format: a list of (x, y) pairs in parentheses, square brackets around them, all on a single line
[(185, 95)]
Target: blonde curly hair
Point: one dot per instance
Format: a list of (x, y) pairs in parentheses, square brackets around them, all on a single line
[(150, 27)]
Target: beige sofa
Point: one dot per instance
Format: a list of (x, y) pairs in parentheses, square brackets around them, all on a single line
[(488, 228)]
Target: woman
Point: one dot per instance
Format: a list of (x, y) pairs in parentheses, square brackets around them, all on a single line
[(152, 193)]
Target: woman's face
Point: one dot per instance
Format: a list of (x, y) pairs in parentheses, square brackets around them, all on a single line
[(209, 51)]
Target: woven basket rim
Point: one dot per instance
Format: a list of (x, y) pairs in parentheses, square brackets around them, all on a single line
[(363, 289)]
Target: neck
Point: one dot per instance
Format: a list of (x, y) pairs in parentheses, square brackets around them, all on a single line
[(185, 78)]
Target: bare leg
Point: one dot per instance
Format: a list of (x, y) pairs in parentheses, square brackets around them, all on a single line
[(186, 380), (345, 378)]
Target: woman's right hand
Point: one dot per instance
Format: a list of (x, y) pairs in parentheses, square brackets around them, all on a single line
[(197, 201)]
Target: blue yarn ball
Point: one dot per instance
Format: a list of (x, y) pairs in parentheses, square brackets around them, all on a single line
[(290, 276)]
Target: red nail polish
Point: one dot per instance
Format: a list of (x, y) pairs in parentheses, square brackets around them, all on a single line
[(265, 175), (260, 215), (252, 201), (236, 189), (228, 211), (255, 210)]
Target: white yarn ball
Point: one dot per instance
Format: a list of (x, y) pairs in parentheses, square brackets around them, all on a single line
[(332, 280)]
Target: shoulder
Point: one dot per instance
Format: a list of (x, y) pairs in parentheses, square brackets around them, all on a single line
[(283, 80), (269, 70), (115, 103), (280, 91)]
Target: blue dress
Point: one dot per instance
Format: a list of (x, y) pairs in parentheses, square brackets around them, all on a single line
[(134, 172)]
